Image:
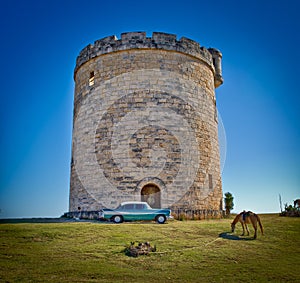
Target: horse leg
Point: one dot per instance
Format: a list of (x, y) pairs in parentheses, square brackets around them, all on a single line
[(247, 229), (255, 230), (243, 229)]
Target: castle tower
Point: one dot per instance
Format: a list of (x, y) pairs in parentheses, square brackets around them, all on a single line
[(145, 124)]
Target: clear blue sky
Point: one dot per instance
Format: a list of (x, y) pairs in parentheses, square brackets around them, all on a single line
[(258, 102)]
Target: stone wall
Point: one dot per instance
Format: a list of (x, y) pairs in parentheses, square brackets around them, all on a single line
[(145, 113)]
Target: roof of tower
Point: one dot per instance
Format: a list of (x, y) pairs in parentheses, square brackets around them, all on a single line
[(138, 40)]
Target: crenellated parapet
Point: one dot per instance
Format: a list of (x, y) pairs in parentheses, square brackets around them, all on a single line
[(159, 40)]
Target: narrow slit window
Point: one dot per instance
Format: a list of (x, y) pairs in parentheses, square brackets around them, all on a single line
[(92, 78), (210, 180)]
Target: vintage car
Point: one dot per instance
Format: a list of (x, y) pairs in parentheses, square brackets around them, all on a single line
[(135, 211)]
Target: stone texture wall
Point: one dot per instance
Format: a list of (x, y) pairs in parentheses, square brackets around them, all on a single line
[(145, 113)]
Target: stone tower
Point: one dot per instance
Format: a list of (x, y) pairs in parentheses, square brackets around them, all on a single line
[(145, 124)]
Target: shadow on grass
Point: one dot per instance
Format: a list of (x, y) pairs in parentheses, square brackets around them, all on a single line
[(43, 220), (229, 236)]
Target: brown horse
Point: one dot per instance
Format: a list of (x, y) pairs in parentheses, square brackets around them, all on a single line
[(246, 218)]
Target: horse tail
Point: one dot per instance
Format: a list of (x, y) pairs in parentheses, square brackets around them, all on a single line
[(260, 225)]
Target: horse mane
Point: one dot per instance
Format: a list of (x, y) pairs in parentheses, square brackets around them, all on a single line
[(236, 219)]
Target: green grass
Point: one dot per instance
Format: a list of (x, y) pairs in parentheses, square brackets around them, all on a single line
[(187, 251)]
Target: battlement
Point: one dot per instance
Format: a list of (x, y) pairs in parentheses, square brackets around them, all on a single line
[(138, 40)]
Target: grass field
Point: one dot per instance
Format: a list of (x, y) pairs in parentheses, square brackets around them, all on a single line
[(187, 251)]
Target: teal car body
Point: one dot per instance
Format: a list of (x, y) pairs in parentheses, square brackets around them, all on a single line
[(135, 211)]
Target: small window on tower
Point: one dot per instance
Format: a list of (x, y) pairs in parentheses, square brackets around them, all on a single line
[(210, 180), (92, 78)]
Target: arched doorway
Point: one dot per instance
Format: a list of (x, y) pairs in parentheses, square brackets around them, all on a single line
[(151, 194)]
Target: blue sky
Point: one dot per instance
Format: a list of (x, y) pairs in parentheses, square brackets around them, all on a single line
[(258, 102)]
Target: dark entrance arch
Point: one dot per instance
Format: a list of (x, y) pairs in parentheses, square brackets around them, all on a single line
[(151, 194)]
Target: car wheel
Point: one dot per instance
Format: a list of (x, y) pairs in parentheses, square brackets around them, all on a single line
[(161, 219), (117, 219)]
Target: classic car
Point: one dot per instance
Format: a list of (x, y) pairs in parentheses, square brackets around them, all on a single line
[(135, 211)]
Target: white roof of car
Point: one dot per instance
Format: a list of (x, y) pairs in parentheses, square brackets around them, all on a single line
[(134, 202)]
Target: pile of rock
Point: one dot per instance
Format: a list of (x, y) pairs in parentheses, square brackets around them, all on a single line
[(140, 249)]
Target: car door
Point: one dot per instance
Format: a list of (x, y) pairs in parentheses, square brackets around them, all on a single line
[(129, 211)]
